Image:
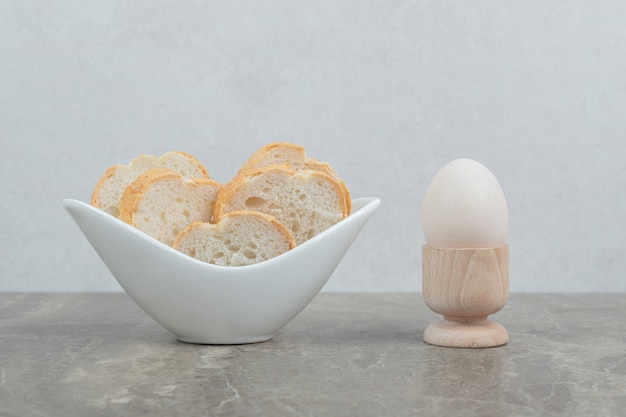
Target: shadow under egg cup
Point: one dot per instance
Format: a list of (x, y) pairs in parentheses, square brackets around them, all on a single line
[(465, 286)]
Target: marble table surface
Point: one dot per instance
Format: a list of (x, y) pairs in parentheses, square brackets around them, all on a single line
[(344, 355)]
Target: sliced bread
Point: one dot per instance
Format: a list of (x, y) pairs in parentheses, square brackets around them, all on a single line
[(294, 156), (239, 238), (162, 203), (307, 202), (110, 187)]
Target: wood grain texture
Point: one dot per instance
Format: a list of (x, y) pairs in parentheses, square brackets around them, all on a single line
[(465, 286)]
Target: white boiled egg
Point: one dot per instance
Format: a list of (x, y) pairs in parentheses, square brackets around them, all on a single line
[(464, 207)]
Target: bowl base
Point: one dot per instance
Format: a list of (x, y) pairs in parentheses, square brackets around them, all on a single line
[(479, 333), (229, 341)]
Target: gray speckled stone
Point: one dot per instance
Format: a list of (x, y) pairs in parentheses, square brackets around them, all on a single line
[(344, 355)]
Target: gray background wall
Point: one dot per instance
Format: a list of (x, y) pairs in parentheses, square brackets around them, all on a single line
[(386, 91)]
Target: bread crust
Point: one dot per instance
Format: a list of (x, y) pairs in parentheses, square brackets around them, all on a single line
[(259, 156), (108, 174), (193, 160)]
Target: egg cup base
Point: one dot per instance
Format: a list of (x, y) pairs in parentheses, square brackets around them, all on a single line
[(473, 334)]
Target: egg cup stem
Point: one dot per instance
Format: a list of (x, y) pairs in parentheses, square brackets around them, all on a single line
[(465, 286)]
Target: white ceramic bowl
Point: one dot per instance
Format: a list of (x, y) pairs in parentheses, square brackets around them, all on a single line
[(204, 303)]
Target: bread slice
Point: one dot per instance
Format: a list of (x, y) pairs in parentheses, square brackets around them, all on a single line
[(162, 203), (108, 191), (294, 156), (307, 202), (240, 238)]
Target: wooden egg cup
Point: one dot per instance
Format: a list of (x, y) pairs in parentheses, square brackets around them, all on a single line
[(465, 286)]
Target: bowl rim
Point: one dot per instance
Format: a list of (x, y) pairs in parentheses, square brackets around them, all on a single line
[(363, 206)]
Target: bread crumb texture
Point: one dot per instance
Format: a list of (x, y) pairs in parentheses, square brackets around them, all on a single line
[(162, 203), (239, 238), (307, 202)]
